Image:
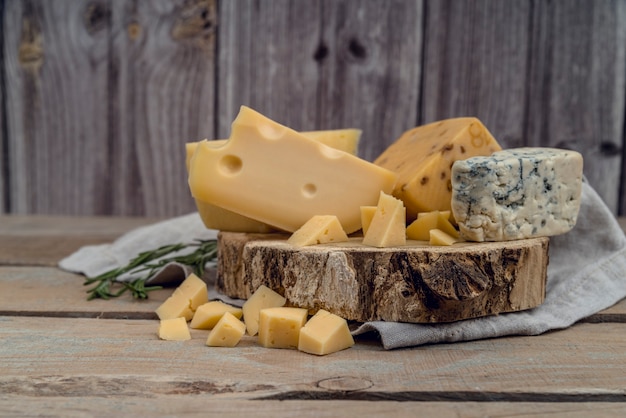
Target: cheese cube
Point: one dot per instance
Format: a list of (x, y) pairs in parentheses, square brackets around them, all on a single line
[(439, 237), (207, 315), (177, 305), (320, 229), (215, 217), (325, 333), (174, 329), (190, 294), (262, 298), (195, 289), (367, 214), (388, 226), (227, 332), (422, 158), (278, 176), (280, 327), (517, 193)]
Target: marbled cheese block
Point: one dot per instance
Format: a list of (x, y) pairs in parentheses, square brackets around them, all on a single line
[(517, 193)]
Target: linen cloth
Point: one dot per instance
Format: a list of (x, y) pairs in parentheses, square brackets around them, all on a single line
[(586, 274)]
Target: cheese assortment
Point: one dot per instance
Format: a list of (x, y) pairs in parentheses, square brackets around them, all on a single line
[(422, 158), (440, 183), (275, 175), (517, 193)]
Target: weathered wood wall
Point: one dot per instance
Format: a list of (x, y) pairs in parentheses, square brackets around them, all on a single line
[(98, 97)]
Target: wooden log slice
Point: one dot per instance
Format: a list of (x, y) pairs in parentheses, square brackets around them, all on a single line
[(415, 283)]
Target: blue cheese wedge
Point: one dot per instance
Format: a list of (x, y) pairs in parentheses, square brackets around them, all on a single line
[(517, 193)]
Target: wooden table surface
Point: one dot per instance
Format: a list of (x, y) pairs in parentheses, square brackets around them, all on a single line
[(61, 355)]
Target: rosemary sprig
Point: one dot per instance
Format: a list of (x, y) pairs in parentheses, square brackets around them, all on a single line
[(146, 264)]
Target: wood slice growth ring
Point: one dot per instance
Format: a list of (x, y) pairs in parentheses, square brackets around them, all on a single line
[(416, 283)]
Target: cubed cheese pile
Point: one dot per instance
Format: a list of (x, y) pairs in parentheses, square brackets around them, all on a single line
[(264, 315)]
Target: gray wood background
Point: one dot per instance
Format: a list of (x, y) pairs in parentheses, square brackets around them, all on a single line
[(99, 97)]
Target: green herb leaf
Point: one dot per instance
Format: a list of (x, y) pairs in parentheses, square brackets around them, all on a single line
[(145, 265)]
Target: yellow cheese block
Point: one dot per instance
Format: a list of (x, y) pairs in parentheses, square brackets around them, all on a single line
[(187, 297), (215, 217), (320, 229), (262, 298), (280, 327), (367, 214), (420, 228), (438, 237), (207, 315), (388, 226), (227, 332), (277, 176), (423, 156), (174, 329), (325, 333)]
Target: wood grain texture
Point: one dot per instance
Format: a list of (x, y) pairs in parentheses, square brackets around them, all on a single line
[(56, 66), (370, 78), (576, 86), (183, 400), (266, 61), (415, 283), (162, 57), (585, 359), (475, 64)]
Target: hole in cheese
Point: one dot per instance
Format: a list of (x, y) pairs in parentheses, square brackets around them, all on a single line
[(271, 131), (331, 153), (309, 190), (230, 165)]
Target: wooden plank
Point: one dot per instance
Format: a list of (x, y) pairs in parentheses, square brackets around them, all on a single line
[(104, 96), (161, 97), (56, 67), (369, 59), (576, 86), (266, 60), (45, 240), (585, 360), (41, 291), (323, 65), (45, 291), (475, 60), (184, 400)]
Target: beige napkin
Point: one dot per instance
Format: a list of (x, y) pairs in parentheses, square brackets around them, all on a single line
[(586, 273)]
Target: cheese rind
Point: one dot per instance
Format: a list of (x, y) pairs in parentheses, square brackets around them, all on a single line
[(320, 229), (207, 315), (262, 298), (422, 158), (227, 332), (517, 193), (277, 176), (174, 329), (388, 226), (325, 333), (280, 327)]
